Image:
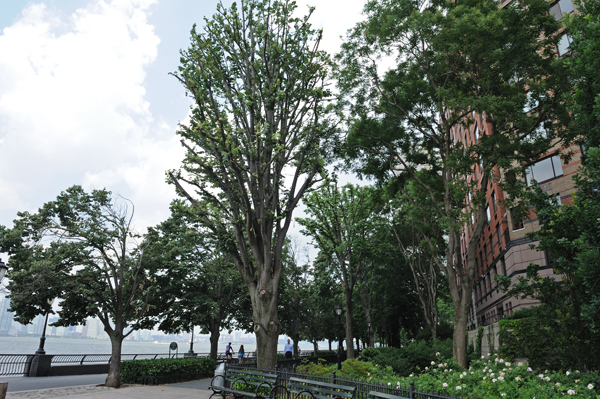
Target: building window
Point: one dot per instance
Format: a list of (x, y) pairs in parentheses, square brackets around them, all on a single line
[(489, 215), (499, 234), (544, 170), (563, 45), (494, 202), (476, 134), (560, 8), (517, 223)]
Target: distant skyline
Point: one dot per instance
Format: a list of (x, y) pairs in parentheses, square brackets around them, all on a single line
[(86, 97)]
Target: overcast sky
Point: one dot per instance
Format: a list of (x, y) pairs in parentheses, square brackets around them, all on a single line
[(85, 96)]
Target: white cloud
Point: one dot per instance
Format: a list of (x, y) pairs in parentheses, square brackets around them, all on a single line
[(73, 108)]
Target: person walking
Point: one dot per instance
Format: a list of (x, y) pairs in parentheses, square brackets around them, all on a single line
[(289, 350), (241, 355)]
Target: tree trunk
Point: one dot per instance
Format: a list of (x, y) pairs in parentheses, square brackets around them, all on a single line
[(113, 379), (316, 348), (266, 328), (214, 341), (330, 345), (349, 336), (459, 340)]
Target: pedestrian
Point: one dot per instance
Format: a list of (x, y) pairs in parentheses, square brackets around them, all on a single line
[(241, 354), (228, 352), (289, 350)]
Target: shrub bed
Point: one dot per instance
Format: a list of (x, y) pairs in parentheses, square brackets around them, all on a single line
[(165, 371)]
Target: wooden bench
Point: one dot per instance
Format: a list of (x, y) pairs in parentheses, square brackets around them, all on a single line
[(318, 390), (251, 382), (381, 395)]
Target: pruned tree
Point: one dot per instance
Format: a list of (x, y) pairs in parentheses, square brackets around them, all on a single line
[(81, 249), (256, 140), (456, 62)]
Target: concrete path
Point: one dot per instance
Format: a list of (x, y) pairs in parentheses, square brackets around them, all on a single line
[(32, 383), (185, 390)]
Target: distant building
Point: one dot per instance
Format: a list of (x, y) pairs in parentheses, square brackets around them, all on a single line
[(6, 317)]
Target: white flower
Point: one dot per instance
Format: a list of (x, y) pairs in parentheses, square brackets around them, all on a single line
[(541, 375), (501, 361), (576, 381), (482, 357), (450, 370), (571, 392), (502, 394), (389, 383), (590, 386), (445, 364), (529, 369), (398, 383), (444, 385), (368, 373), (494, 380), (558, 384), (520, 364), (568, 373), (500, 378), (492, 374), (517, 378), (547, 378), (440, 365), (426, 368), (437, 353), (432, 363), (446, 370), (458, 388), (484, 378)]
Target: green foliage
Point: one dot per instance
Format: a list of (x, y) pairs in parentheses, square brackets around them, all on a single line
[(319, 368), (410, 359), (479, 341), (161, 371)]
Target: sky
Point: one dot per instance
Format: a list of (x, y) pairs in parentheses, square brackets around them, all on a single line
[(86, 97)]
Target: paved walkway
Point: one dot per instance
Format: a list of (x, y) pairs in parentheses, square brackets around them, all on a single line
[(185, 390)]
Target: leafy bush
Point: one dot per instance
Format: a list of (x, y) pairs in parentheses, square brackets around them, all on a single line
[(495, 378), (413, 358), (319, 368), (162, 371)]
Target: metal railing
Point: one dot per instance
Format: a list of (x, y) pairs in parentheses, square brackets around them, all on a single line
[(15, 364), (362, 387), (20, 364)]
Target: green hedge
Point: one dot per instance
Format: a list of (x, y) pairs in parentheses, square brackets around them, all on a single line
[(165, 371)]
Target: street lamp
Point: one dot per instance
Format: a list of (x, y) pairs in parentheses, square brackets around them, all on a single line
[(338, 312), (41, 350), (3, 269), (191, 351)]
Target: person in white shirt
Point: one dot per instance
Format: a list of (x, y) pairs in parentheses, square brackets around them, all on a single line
[(289, 350)]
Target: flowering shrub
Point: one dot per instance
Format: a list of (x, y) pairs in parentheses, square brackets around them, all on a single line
[(497, 378)]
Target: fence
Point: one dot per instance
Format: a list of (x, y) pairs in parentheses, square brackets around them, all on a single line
[(20, 364), (362, 388), (15, 364)]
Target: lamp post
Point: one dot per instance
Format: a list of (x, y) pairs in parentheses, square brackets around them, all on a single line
[(41, 350), (369, 333), (191, 351), (338, 312)]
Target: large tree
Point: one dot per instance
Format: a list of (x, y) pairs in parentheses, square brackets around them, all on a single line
[(81, 249), (458, 64), (256, 139)]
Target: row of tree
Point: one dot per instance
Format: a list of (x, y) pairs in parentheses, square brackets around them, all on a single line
[(265, 124)]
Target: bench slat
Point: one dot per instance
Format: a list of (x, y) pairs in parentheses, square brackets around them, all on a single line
[(385, 395), (324, 384), (298, 388)]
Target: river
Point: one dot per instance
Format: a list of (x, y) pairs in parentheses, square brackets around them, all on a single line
[(67, 346)]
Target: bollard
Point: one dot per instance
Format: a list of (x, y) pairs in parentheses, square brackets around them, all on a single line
[(3, 389), (411, 392)]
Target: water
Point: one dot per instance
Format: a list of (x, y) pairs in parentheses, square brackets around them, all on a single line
[(74, 346)]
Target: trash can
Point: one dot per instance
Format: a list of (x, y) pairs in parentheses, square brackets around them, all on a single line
[(219, 378)]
